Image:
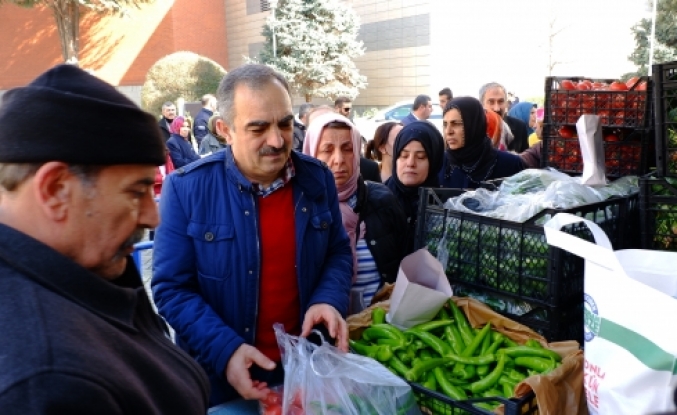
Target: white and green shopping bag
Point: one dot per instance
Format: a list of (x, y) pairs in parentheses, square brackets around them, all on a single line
[(630, 308)]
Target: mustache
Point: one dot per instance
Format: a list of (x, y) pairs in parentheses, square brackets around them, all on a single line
[(271, 151), (134, 238)]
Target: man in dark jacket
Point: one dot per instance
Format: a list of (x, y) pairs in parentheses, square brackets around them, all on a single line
[(420, 111), (300, 127), (201, 123), (251, 236), (79, 334), (493, 97), (168, 115)]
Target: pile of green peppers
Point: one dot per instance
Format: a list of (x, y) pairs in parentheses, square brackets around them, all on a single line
[(447, 355)]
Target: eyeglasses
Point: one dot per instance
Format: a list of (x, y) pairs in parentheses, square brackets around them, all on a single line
[(346, 109)]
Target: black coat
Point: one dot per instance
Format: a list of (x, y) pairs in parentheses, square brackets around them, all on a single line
[(164, 127), (385, 227), (369, 170), (201, 125), (299, 136), (74, 343), (520, 132)]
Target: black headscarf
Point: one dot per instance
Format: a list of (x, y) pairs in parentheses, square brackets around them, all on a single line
[(433, 144), (477, 157)]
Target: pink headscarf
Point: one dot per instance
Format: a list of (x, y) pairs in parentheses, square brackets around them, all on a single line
[(346, 190), (175, 126)]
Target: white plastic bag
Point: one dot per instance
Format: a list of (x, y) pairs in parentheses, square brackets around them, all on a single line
[(324, 380), (630, 347)]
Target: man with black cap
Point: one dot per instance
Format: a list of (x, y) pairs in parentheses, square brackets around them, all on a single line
[(251, 236), (79, 334)]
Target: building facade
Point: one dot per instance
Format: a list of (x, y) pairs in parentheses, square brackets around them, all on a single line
[(121, 49)]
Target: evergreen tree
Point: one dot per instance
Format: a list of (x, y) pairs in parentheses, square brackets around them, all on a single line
[(67, 17), (315, 44), (665, 42)]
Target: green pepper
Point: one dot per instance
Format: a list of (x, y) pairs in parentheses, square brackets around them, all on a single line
[(432, 341), (431, 325), (533, 343), (462, 323), (396, 364), (473, 360), (394, 344), (382, 331), (486, 342), (447, 387), (465, 372), (535, 363), (516, 375), (471, 348), (378, 316), (430, 381), (425, 355), (380, 353), (526, 351), (491, 393), (484, 369), (454, 338), (505, 379), (484, 405), (443, 314), (491, 379), (423, 366), (510, 343), (403, 356), (508, 390)]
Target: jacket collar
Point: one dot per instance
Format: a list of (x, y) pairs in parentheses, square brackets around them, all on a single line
[(115, 301), (304, 177)]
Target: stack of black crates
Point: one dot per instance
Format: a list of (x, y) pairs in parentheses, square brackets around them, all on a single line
[(658, 190)]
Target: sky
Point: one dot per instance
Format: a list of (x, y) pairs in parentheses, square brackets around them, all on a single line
[(507, 42)]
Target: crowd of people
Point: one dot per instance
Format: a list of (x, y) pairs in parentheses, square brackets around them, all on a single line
[(276, 220)]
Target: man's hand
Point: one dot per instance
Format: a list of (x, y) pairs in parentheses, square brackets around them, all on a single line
[(237, 372), (324, 313)]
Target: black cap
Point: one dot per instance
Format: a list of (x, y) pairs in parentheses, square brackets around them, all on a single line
[(68, 115)]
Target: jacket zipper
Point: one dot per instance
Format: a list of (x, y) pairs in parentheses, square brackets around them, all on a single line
[(258, 267)]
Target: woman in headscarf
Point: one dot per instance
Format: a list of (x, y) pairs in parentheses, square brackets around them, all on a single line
[(525, 112), (470, 157), (180, 147), (371, 216), (417, 155)]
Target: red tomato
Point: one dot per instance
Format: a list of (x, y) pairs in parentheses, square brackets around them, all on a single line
[(273, 410), (568, 85), (641, 86), (618, 86), (611, 137), (272, 399), (599, 86), (582, 86), (632, 81), (566, 132)]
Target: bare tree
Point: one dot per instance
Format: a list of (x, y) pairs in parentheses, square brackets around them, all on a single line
[(553, 31)]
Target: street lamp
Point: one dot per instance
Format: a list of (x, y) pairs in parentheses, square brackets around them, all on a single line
[(273, 6)]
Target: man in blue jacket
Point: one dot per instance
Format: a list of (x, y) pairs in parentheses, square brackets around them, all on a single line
[(201, 124), (251, 236)]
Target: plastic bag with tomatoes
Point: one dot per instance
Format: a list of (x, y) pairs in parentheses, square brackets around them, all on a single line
[(324, 380)]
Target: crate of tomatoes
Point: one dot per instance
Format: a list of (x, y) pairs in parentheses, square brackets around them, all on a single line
[(618, 104), (627, 151)]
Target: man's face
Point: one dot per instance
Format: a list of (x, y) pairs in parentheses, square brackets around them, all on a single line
[(345, 109), (262, 131), (426, 110), (494, 99), (443, 101), (169, 112), (109, 216)]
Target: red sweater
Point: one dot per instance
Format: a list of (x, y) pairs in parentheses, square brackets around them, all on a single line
[(278, 286)]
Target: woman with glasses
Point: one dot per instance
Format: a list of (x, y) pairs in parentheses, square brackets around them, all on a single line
[(470, 157)]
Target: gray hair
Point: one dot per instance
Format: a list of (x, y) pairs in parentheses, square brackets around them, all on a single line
[(13, 175), (205, 99), (487, 87), (305, 109), (168, 104), (254, 76)]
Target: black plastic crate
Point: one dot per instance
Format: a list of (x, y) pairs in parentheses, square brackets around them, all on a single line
[(658, 213), (627, 151), (665, 102), (435, 403), (513, 260), (630, 108)]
